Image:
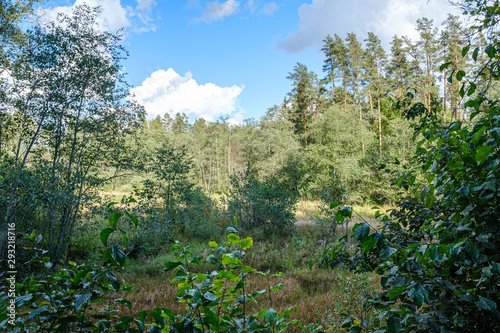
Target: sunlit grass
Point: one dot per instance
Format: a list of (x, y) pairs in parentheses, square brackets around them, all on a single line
[(321, 296)]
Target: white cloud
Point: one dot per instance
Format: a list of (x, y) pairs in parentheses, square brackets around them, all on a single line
[(145, 4), (114, 14), (269, 8), (237, 119), (168, 92), (217, 11), (385, 18)]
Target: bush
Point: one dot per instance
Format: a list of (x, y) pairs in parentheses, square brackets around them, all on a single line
[(438, 251), (265, 205)]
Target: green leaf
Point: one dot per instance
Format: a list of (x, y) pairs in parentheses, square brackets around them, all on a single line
[(460, 75), (270, 316), (335, 204), (475, 53), (80, 300), (247, 269), (490, 50), (346, 211), (104, 235), (393, 324), (465, 50), (118, 255), (486, 304), (133, 218), (125, 302), (114, 218), (387, 252), (232, 230), (233, 239), (171, 265), (38, 311), (368, 244), (361, 231), (213, 244), (472, 89), (209, 296), (482, 153), (445, 65), (396, 291), (246, 243)]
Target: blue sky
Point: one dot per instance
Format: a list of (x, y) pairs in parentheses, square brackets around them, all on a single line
[(231, 57)]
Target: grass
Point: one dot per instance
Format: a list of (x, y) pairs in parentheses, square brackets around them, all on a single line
[(321, 295)]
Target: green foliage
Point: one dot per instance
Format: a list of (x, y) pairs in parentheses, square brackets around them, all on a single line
[(216, 301), (79, 298), (438, 252), (266, 204), (69, 116)]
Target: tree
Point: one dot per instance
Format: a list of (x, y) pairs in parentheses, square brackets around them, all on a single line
[(454, 41), (302, 95), (398, 68), (375, 62), (71, 115), (429, 47)]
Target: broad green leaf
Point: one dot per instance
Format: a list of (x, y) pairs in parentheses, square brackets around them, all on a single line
[(38, 311), (472, 89), (490, 50), (486, 304), (465, 50), (233, 239), (387, 252), (171, 265), (125, 302), (460, 75), (104, 235), (361, 231), (114, 218), (368, 244), (393, 324), (213, 244), (118, 255), (482, 153), (396, 291), (270, 316), (209, 296), (80, 300), (246, 243)]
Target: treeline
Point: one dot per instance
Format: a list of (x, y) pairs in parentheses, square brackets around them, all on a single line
[(334, 131)]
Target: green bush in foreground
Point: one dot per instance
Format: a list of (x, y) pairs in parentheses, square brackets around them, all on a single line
[(438, 251)]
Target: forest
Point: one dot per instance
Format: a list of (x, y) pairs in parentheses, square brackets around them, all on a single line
[(367, 201)]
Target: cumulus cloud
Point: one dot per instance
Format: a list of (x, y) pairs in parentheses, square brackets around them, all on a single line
[(168, 92), (385, 18), (114, 14), (217, 11)]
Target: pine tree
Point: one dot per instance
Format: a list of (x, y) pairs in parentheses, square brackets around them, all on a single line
[(375, 61)]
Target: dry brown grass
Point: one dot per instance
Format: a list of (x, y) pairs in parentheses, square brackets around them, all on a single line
[(320, 295)]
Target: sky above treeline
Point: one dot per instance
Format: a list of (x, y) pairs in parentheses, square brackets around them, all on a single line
[(230, 58)]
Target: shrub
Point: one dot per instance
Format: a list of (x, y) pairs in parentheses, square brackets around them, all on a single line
[(266, 204)]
